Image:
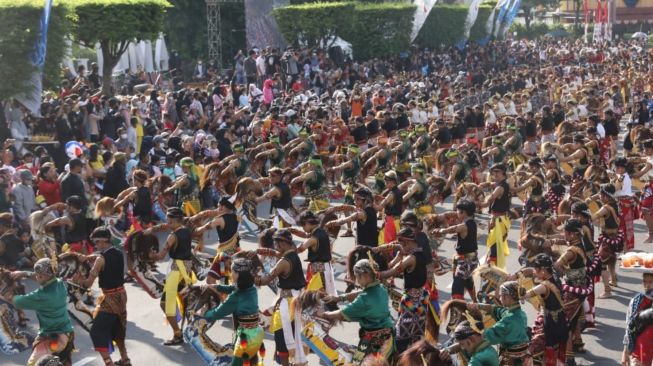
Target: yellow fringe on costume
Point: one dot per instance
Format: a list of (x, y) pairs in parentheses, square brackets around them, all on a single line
[(423, 210), (276, 323), (172, 282), (499, 236), (318, 204), (403, 167), (316, 283), (191, 207)]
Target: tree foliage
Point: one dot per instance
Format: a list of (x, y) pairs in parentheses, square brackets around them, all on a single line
[(527, 7), (373, 29), (314, 25), (380, 30), (114, 23), (19, 29), (445, 25)]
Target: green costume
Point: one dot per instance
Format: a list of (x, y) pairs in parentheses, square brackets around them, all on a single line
[(243, 305), (370, 309), (51, 305), (484, 355), (509, 332)]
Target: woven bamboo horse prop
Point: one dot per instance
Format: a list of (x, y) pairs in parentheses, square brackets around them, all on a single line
[(138, 247), (534, 228), (316, 332), (12, 339), (212, 353), (198, 299), (44, 245), (68, 265)]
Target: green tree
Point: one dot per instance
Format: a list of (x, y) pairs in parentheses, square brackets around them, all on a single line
[(19, 29), (314, 24), (115, 23), (527, 7)]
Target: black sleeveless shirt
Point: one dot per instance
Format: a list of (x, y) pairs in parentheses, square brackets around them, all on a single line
[(417, 277), (323, 251), (610, 221), (143, 204), (551, 302), (112, 276), (367, 233), (230, 227), (285, 200), (182, 250), (502, 204), (295, 280), (396, 208), (79, 231), (468, 244)]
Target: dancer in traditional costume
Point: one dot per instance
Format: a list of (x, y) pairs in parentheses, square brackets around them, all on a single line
[(286, 324), (367, 233), (417, 195), (611, 239), (226, 224), (314, 185), (556, 190), (572, 265), (392, 206), (414, 304), (466, 259), (510, 332), (178, 246), (74, 222), (281, 198), (580, 211), (110, 315), (320, 273), (187, 188), (370, 308), (56, 333), (499, 203), (477, 350), (242, 303), (550, 331), (628, 210)]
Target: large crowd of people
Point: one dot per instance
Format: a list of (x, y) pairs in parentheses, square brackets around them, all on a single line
[(341, 148)]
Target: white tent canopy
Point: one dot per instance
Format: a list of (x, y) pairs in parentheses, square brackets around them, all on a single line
[(140, 54)]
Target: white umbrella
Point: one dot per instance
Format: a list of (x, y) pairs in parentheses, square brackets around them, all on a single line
[(639, 35)]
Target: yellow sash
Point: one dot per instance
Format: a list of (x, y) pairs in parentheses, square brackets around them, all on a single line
[(498, 236)]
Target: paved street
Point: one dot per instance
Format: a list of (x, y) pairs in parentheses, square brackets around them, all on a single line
[(147, 329)]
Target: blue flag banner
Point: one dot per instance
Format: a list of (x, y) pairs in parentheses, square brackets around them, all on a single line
[(510, 17), (32, 99), (505, 5)]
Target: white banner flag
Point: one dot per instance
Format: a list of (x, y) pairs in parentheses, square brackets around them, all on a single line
[(424, 7)]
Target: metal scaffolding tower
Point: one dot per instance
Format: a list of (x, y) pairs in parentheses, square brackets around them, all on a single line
[(214, 30)]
